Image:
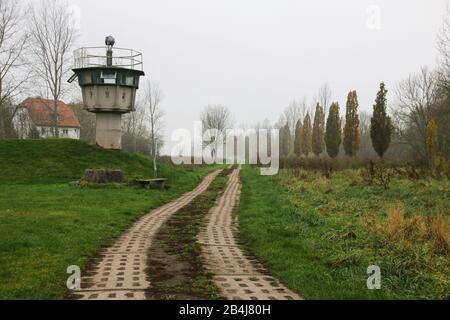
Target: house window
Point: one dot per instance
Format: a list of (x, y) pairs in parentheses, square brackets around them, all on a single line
[(66, 132), (43, 131)]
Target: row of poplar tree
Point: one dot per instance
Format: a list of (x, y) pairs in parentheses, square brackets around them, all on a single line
[(319, 136)]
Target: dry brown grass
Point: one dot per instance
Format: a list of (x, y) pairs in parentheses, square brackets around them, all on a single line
[(439, 234), (394, 223), (321, 182), (406, 231)]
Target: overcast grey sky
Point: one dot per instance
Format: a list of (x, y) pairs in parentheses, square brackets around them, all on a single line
[(255, 56)]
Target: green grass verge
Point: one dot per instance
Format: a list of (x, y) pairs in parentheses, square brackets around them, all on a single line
[(309, 232), (47, 225)]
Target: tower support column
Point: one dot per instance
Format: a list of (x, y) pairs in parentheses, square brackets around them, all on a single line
[(109, 130)]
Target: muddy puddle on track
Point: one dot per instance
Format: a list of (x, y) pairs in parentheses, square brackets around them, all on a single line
[(175, 267)]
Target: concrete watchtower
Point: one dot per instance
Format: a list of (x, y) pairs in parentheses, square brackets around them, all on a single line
[(108, 83)]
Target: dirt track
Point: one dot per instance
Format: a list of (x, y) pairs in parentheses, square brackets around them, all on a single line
[(119, 273), (237, 275)]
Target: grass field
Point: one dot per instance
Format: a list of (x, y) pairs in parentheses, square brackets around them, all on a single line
[(47, 225), (319, 236)]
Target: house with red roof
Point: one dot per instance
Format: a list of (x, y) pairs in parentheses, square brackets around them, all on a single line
[(37, 115)]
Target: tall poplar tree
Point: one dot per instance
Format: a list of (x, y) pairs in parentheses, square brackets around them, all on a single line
[(298, 139), (381, 124), (351, 129), (333, 135), (307, 136), (318, 142)]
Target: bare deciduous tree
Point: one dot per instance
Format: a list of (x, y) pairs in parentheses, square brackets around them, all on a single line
[(444, 50), (305, 107), (281, 122), (324, 97), (442, 110), (292, 114), (152, 99), (86, 119), (216, 119), (13, 40), (416, 97), (134, 124), (365, 149), (52, 39)]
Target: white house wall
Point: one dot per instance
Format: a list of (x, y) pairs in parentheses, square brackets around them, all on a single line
[(67, 133)]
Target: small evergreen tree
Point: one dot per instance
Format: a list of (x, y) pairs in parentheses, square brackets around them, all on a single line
[(318, 142), (381, 124), (351, 129), (333, 136), (307, 136), (298, 139)]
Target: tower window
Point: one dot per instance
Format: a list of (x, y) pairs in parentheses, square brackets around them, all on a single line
[(129, 81), (109, 77)]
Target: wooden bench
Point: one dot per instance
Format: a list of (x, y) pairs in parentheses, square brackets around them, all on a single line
[(149, 183)]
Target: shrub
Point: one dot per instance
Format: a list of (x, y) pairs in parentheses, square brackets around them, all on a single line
[(442, 167), (368, 174), (383, 176), (378, 175), (316, 164)]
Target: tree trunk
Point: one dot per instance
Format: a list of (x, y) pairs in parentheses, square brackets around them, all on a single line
[(155, 166), (55, 118)]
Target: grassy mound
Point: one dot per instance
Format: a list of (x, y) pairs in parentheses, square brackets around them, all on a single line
[(61, 160)]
